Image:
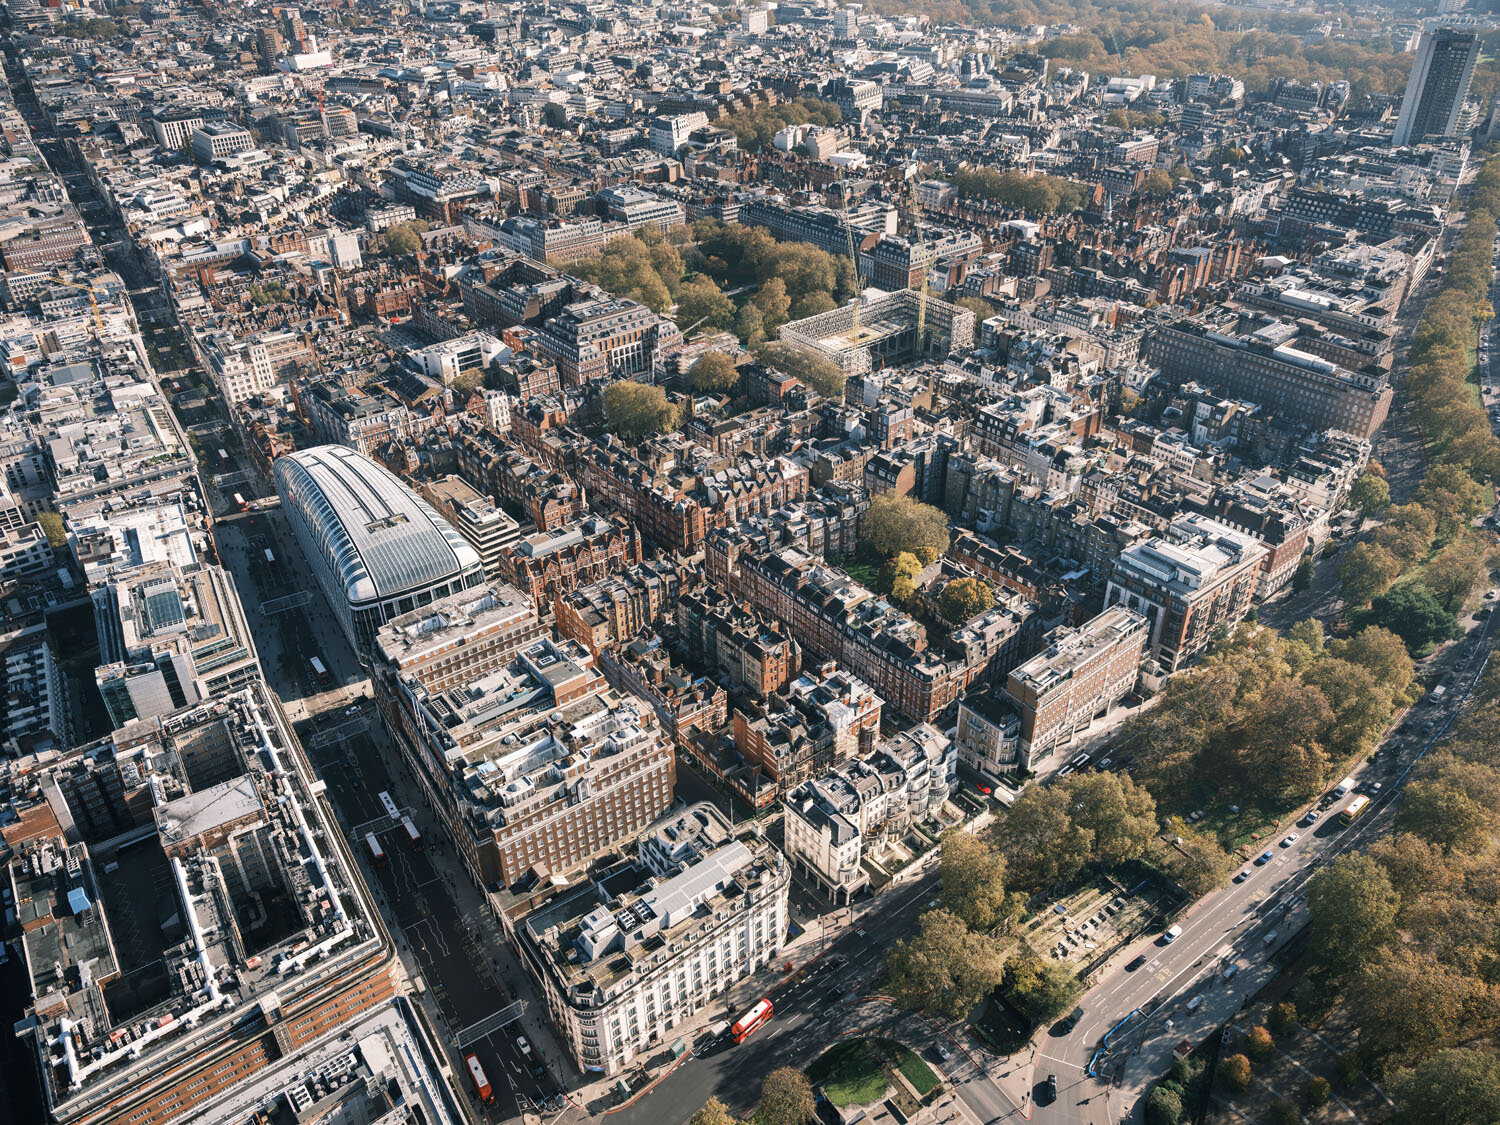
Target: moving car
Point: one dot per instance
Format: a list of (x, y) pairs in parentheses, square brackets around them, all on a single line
[(1051, 1088)]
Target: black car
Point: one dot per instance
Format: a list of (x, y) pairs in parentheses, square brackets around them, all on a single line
[(1070, 1021), (1051, 1088), (1136, 963), (834, 993)]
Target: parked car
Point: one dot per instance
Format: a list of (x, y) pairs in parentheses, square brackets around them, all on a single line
[(1243, 875), (1135, 963), (1264, 858), (1290, 838)]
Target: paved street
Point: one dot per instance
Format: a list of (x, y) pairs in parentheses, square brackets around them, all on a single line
[(1231, 925)]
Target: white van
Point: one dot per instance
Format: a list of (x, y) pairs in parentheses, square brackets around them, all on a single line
[(1171, 935)]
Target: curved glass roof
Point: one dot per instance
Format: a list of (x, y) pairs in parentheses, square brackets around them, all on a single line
[(376, 534)]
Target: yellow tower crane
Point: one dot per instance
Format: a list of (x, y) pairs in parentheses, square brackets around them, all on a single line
[(93, 303)]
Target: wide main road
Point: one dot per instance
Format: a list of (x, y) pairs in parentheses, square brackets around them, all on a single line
[(1240, 924)]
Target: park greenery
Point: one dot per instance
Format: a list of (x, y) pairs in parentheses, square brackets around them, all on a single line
[(964, 598), (719, 276), (821, 375), (755, 128), (714, 372), (1029, 191), (1173, 38), (637, 410), (402, 239), (786, 1098), (901, 523), (1405, 933), (1265, 720)]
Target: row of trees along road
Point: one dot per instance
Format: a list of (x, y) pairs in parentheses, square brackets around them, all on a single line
[(1415, 572), (1406, 933)]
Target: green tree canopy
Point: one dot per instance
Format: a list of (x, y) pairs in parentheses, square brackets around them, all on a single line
[(944, 967), (820, 374), (901, 523), (637, 410), (973, 878), (714, 1112), (1370, 495), (402, 239), (1040, 989), (1456, 1086), (1414, 614), (964, 598), (786, 1098), (714, 372), (1353, 907), (702, 304)]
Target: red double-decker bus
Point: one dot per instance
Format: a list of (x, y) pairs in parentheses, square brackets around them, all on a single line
[(481, 1083), (746, 1025), (377, 853)]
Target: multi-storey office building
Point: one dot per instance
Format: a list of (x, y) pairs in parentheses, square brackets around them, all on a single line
[(376, 549), (266, 942), (1202, 574), (625, 957), (1081, 674), (1265, 368), (834, 822), (1437, 85), (591, 339), (170, 637), (459, 638), (550, 565), (486, 528), (536, 767)]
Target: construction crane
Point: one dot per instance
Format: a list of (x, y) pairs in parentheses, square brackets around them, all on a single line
[(916, 232), (853, 257), (93, 304)]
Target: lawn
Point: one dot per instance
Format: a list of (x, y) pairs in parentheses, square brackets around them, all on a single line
[(849, 1073), (863, 566), (917, 1072)]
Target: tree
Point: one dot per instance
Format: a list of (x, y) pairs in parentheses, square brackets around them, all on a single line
[(1284, 1020), (1367, 572), (635, 410), (1284, 1112), (702, 304), (816, 372), (1348, 1067), (1163, 1106), (1302, 577), (1039, 839), (786, 1098), (1456, 1086), (1039, 989), (1120, 815), (1318, 1092), (973, 876), (1370, 495), (1409, 1002), (1236, 1072), (1195, 860), (750, 326), (898, 576), (1415, 615), (402, 239), (964, 598), (52, 525), (944, 967), (714, 1112), (1259, 1045), (1353, 907), (1453, 805), (981, 308), (773, 304), (900, 523), (714, 371), (1157, 182)]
